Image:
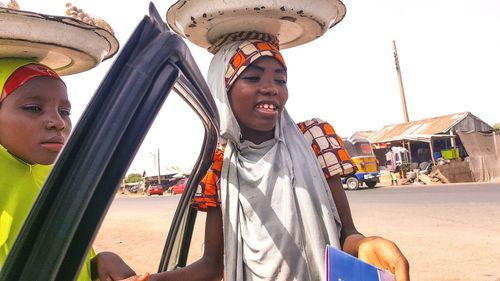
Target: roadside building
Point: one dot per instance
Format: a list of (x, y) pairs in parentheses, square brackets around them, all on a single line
[(165, 177), (166, 180), (363, 134), (431, 140)]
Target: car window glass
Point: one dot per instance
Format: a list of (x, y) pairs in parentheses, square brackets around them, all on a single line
[(365, 147), (137, 223)]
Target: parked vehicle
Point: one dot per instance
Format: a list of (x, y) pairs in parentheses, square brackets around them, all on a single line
[(402, 156), (132, 188), (179, 187), (154, 189), (362, 155), (425, 167)]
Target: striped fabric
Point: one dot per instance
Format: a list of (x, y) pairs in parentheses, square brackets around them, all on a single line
[(243, 35)]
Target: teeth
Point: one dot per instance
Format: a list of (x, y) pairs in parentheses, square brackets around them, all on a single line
[(267, 106)]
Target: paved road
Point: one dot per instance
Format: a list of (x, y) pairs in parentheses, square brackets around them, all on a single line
[(448, 232)]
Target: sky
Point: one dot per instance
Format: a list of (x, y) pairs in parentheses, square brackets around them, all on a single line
[(449, 53)]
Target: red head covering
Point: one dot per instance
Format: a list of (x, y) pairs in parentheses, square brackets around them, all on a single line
[(21, 72)]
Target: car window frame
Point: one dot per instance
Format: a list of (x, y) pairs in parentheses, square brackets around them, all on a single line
[(66, 216)]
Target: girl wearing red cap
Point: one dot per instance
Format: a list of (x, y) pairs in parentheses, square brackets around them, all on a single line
[(34, 126)]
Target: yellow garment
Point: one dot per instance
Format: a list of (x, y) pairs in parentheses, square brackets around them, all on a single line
[(8, 66), (20, 184)]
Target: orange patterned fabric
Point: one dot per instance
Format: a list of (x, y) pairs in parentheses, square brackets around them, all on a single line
[(328, 147), (326, 144), (208, 190), (248, 52)]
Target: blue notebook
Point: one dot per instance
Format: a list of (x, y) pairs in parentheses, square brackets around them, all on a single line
[(341, 266)]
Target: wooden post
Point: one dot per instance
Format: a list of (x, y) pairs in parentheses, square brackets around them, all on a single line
[(452, 140), (431, 144), (495, 143), (159, 177), (409, 152), (453, 145), (401, 89)]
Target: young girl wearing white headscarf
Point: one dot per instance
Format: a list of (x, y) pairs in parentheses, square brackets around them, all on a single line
[(273, 196)]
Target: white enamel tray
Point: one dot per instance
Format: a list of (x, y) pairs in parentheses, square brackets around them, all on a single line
[(65, 44), (295, 22)]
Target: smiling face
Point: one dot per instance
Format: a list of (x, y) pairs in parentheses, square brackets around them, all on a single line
[(34, 120), (258, 97)]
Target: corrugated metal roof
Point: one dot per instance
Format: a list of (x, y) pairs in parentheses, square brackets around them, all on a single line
[(429, 126), (363, 134)]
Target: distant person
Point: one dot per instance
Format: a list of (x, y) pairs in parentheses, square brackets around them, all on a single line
[(390, 162)]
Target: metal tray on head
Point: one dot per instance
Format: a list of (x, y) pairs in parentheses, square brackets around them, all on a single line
[(294, 22), (64, 44)]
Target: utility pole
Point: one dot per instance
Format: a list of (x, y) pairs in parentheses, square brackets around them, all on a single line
[(401, 89), (159, 177), (156, 162)]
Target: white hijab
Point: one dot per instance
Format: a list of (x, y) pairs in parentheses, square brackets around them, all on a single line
[(278, 211)]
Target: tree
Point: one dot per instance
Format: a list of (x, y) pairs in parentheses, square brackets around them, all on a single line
[(134, 177), (496, 126)]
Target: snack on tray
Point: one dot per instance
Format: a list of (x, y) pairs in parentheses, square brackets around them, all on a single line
[(71, 11), (12, 4), (79, 14), (68, 45)]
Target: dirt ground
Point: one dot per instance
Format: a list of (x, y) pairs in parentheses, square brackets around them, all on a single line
[(138, 234), (424, 235)]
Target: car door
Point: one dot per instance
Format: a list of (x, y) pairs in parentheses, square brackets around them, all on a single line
[(70, 208)]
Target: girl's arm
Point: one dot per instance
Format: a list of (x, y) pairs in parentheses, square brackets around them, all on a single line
[(109, 266), (375, 250), (349, 235)]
